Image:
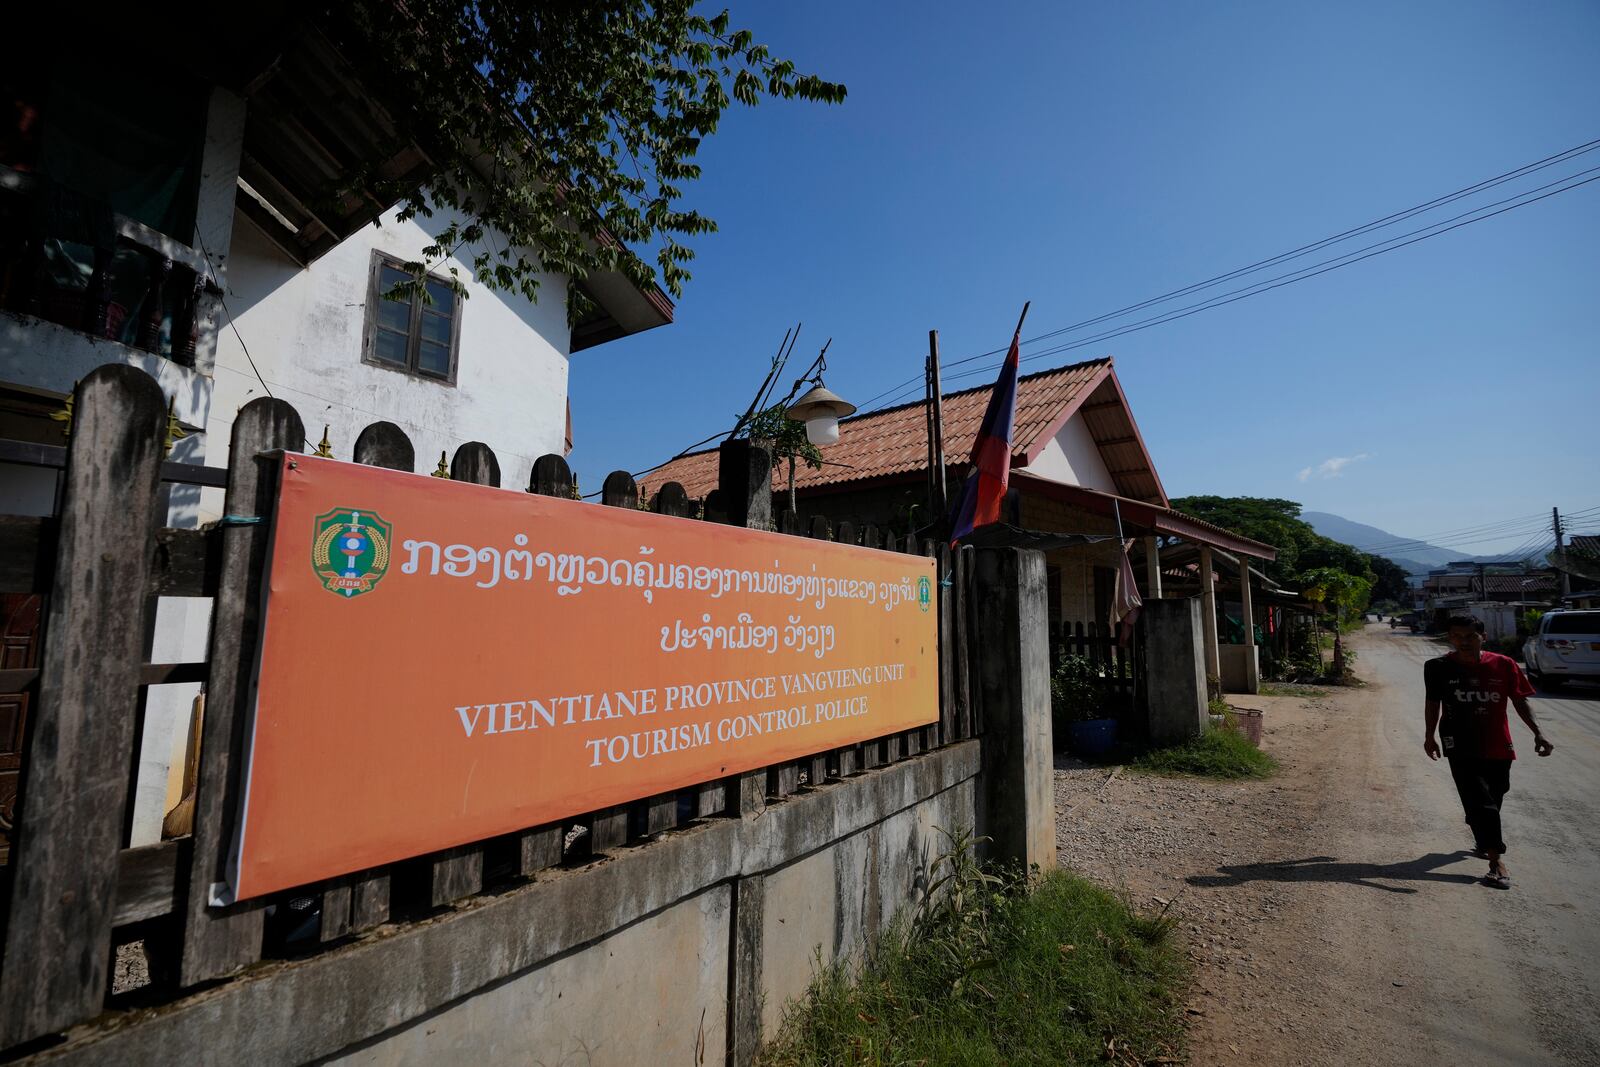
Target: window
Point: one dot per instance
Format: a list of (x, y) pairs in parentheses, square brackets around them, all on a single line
[(1574, 622), (407, 333)]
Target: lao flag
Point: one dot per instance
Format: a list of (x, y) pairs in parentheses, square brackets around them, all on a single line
[(991, 453)]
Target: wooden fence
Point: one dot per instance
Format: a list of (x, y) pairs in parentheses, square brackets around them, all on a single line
[(1120, 664), (74, 893)]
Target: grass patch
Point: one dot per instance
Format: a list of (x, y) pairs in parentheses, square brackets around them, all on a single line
[(1220, 752), (1291, 690), (996, 972)]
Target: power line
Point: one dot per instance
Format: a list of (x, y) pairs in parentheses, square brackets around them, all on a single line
[(1468, 545), (1296, 253), (1529, 548), (1403, 547), (1311, 272), (1282, 257), (1508, 528)]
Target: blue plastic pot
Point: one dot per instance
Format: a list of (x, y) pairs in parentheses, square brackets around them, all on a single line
[(1095, 737)]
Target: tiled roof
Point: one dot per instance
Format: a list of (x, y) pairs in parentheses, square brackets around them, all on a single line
[(1519, 583), (895, 440)]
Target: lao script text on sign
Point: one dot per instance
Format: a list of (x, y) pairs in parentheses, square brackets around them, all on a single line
[(444, 662)]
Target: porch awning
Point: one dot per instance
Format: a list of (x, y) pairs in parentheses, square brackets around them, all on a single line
[(1139, 516), (1004, 535)]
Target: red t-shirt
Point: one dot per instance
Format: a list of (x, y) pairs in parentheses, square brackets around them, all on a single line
[(1472, 697)]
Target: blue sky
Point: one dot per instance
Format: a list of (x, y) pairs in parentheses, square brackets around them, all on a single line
[(1090, 156)]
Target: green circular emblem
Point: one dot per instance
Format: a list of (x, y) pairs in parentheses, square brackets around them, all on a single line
[(350, 550)]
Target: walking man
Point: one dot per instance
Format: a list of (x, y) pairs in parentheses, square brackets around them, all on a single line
[(1467, 690)]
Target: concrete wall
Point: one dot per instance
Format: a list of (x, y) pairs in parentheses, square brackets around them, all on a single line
[(831, 904), (1072, 456), (653, 992), (1176, 669), (656, 953)]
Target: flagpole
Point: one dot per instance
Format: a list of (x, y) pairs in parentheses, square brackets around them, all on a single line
[(1025, 305)]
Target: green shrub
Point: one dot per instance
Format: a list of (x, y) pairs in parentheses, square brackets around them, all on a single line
[(1219, 752), (1506, 646), (1301, 662), (1076, 693), (998, 970)]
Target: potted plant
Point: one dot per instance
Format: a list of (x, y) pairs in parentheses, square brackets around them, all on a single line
[(1078, 706)]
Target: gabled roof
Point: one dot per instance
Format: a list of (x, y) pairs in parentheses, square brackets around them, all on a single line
[(1519, 583), (892, 444), (315, 119)]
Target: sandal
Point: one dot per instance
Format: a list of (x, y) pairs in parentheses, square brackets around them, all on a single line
[(1497, 881)]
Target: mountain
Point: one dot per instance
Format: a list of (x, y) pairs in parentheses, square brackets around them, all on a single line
[(1417, 557)]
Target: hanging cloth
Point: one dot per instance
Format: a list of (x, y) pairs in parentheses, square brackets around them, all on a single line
[(1125, 600)]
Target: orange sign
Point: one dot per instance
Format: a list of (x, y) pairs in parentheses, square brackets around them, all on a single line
[(445, 662)]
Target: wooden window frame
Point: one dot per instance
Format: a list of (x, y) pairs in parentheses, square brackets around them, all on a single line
[(369, 336)]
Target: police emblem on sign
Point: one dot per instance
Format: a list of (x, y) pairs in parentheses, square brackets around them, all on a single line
[(350, 551), (924, 593)]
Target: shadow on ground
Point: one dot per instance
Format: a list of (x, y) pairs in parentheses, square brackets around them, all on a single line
[(1329, 869)]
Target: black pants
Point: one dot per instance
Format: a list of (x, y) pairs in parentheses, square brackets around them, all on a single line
[(1482, 784)]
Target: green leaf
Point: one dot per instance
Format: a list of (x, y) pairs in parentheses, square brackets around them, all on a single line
[(584, 116)]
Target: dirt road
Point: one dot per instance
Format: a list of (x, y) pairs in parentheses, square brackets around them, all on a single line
[(1334, 913)]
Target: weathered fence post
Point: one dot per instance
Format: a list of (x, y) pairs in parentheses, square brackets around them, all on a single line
[(544, 846), (938, 733), (745, 492), (69, 828), (1016, 795), (671, 499), (458, 872), (708, 798), (968, 712), (744, 475), (744, 496), (382, 444), (815, 767), (218, 941), (551, 477), (611, 826), (949, 721), (475, 462), (744, 969)]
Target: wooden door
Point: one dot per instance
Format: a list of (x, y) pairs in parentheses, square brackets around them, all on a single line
[(19, 648)]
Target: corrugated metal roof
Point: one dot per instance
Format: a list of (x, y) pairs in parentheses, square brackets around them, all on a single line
[(895, 441)]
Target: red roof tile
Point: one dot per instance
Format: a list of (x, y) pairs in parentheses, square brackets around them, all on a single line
[(895, 440)]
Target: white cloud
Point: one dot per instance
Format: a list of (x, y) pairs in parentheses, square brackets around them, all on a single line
[(1332, 467)]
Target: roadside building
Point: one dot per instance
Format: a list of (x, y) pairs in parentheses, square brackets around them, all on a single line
[(208, 221), (1081, 478)]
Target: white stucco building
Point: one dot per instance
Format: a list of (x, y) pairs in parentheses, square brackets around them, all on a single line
[(205, 224)]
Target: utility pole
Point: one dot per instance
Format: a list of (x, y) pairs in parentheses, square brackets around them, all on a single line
[(938, 498), (1566, 579)]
